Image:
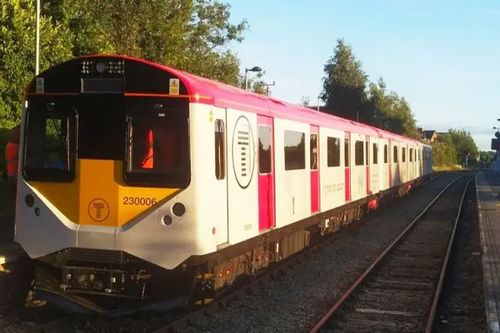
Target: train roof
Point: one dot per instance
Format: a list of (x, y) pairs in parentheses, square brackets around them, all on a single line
[(203, 90)]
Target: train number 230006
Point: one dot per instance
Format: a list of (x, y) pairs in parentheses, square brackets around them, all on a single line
[(139, 201)]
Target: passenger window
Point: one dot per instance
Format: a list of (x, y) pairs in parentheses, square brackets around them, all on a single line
[(333, 147), (395, 154), (295, 150), (346, 153), (358, 153), (313, 148), (404, 155), (265, 153), (220, 149), (386, 154), (375, 153)]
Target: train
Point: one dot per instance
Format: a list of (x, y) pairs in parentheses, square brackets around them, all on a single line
[(141, 186)]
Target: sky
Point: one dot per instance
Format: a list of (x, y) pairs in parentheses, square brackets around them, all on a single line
[(443, 56)]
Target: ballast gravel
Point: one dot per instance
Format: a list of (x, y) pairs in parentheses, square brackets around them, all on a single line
[(296, 302), (290, 305)]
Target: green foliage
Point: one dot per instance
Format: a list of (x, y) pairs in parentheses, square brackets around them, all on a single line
[(344, 84), (190, 35), (83, 19), (346, 94), (486, 156), (453, 147), (390, 112), (464, 144), (445, 153), (17, 53)]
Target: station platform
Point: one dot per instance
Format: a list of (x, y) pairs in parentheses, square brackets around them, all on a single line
[(488, 196)]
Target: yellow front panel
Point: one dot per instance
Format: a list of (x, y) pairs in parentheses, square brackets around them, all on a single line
[(98, 193), (100, 197)]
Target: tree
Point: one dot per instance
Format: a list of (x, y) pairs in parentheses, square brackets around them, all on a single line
[(190, 35), (84, 19), (464, 145), (304, 101), (391, 112), (345, 95), (17, 53), (444, 152), (453, 147), (486, 156), (344, 85)]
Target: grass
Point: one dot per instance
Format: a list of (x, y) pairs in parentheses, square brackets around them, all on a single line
[(454, 167)]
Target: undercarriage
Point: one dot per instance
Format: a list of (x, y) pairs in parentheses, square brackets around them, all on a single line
[(110, 282)]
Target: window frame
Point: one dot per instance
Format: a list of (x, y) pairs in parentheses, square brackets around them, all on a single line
[(375, 153), (302, 164), (334, 154), (347, 153), (312, 153), (179, 178), (60, 110), (270, 148), (359, 153), (220, 146)]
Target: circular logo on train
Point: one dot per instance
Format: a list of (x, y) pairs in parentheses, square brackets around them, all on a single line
[(98, 210), (243, 152)]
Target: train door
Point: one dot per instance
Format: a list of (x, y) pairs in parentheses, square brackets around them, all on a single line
[(218, 185), (405, 153), (389, 162), (421, 161), (367, 163), (314, 154), (266, 173), (375, 174), (347, 165), (415, 163)]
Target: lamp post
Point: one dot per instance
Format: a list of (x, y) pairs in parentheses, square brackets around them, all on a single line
[(253, 69), (37, 38)]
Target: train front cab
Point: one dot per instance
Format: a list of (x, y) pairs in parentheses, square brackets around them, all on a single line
[(105, 188)]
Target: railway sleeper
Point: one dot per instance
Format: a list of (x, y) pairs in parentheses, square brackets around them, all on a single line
[(378, 304), (370, 322)]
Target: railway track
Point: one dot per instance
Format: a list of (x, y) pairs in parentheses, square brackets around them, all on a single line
[(170, 324), (274, 274), (399, 292)]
